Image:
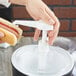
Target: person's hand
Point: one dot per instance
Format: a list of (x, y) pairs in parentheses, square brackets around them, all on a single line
[(39, 11), (1, 35)]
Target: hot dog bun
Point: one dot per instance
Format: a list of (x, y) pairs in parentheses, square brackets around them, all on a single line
[(12, 33)]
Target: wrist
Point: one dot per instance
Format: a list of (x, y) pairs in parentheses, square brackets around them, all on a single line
[(29, 1), (19, 2)]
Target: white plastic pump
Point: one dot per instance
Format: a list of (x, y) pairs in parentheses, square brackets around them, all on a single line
[(41, 59), (43, 46)]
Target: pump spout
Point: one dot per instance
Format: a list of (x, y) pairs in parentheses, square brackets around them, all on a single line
[(43, 50)]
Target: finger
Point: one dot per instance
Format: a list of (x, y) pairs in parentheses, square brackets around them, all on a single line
[(50, 33), (45, 17), (49, 11), (36, 35), (52, 38), (1, 35), (51, 14), (56, 28)]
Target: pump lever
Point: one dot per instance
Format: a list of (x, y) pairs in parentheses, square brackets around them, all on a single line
[(35, 24)]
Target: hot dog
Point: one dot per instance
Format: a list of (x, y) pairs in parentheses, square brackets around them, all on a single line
[(12, 33)]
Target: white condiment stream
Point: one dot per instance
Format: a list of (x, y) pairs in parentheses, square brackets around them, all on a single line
[(43, 47)]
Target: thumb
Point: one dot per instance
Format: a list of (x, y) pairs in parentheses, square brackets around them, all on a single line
[(1, 34), (36, 35)]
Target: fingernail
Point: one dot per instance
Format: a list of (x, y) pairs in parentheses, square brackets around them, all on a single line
[(1, 35), (51, 22)]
